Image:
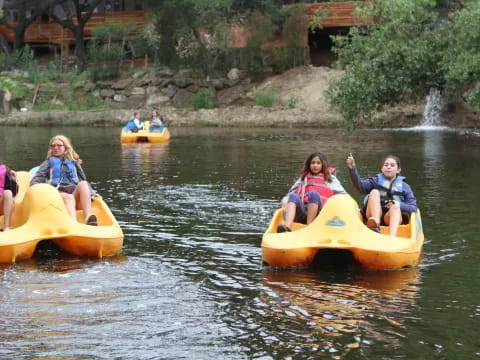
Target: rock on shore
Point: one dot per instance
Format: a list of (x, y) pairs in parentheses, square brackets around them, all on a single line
[(304, 85)]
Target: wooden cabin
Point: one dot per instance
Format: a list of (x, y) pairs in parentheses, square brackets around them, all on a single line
[(44, 32)]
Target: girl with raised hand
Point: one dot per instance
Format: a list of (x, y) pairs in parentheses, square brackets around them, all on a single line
[(390, 200)]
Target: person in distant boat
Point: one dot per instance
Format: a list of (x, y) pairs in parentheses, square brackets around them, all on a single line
[(8, 190), (390, 200), (157, 123), (62, 169), (134, 124), (310, 192)]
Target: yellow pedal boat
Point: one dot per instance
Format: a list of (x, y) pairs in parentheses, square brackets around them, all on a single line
[(40, 214), (339, 226), (145, 136)]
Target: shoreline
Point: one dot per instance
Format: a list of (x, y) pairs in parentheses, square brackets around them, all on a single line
[(233, 116), (248, 116)]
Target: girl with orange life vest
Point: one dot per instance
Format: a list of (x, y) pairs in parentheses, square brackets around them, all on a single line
[(8, 189), (311, 191), (390, 200), (63, 170)]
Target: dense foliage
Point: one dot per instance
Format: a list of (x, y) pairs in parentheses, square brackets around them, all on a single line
[(199, 33), (416, 45), (462, 60)]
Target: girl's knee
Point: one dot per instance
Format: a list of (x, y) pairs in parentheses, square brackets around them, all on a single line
[(314, 198), (82, 188), (374, 193), (395, 208), (294, 198), (7, 195), (82, 184)]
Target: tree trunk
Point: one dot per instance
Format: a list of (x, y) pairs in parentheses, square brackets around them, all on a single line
[(4, 45), (80, 49), (19, 39)]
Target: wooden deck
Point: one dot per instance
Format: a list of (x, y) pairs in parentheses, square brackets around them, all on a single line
[(50, 32), (339, 14)]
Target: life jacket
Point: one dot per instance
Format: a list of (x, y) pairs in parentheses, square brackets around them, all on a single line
[(316, 183), (390, 190), (62, 169), (130, 125), (3, 178)]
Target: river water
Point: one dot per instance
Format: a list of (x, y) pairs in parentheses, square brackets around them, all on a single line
[(189, 283)]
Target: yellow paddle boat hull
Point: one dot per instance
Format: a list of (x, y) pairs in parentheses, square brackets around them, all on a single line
[(40, 214), (339, 226), (145, 136)]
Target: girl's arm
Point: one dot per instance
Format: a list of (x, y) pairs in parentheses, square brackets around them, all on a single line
[(362, 185), (82, 176), (410, 202), (138, 123), (80, 172), (336, 186), (42, 174), (298, 182)]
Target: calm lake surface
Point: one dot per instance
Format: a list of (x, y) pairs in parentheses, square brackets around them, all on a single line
[(189, 283)]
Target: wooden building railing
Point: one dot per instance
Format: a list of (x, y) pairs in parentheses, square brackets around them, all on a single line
[(41, 32), (50, 32), (338, 14)]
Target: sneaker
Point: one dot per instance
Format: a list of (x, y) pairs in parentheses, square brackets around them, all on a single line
[(92, 220), (373, 225), (283, 228)]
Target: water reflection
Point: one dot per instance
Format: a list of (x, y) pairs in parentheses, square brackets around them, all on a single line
[(337, 312), (143, 156)]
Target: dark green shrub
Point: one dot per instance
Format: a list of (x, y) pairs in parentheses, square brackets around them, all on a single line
[(203, 99), (19, 59), (105, 60)]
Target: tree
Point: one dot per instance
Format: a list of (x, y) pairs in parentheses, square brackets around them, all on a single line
[(73, 15), (398, 58), (194, 32), (462, 61), (27, 12)]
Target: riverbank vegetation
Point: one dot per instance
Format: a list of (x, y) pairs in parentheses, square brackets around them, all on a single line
[(192, 35), (416, 46), (413, 47)]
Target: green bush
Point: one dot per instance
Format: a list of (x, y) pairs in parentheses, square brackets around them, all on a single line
[(112, 32), (292, 102), (203, 99), (19, 59), (105, 60), (264, 97)]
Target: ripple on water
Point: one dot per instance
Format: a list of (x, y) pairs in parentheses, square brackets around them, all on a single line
[(104, 310)]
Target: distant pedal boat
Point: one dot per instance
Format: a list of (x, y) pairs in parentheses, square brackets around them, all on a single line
[(145, 136), (339, 226), (40, 214)]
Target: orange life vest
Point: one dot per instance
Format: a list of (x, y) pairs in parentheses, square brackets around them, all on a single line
[(316, 183)]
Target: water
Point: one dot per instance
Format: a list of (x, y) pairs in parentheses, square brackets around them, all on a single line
[(432, 114), (189, 283)]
